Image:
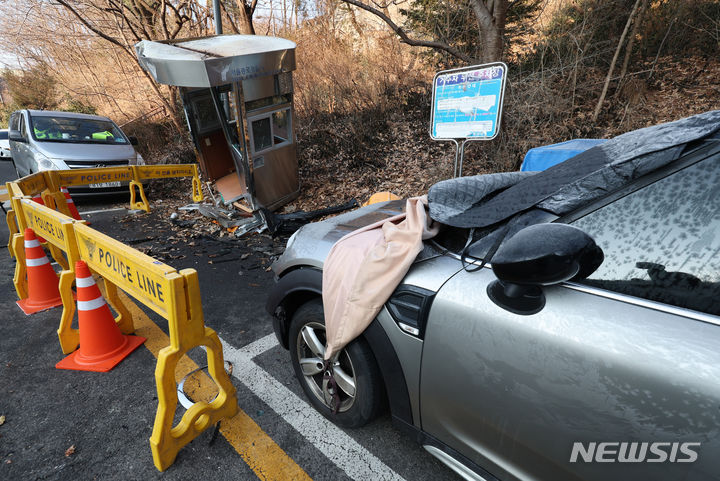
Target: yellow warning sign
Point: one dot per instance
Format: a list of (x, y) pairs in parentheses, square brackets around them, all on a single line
[(165, 171), (141, 276), (101, 175), (46, 223)]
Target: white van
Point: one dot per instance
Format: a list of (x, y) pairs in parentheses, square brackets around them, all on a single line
[(50, 140)]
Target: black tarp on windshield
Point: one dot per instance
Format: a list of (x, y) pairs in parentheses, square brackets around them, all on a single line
[(480, 201)]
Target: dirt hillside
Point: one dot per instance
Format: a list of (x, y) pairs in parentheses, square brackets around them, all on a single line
[(345, 157)]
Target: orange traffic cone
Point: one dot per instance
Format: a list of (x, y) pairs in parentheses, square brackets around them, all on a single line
[(102, 345), (70, 204), (39, 200), (43, 292)]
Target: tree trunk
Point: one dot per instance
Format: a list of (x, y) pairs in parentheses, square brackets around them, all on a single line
[(614, 60), (492, 45), (245, 22), (491, 16), (630, 45)]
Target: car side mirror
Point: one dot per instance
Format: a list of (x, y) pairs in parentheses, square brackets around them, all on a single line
[(540, 255), (133, 140), (16, 136)]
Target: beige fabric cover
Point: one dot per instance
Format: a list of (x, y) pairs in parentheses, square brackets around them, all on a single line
[(364, 267)]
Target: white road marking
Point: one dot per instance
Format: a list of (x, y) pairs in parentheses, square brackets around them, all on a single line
[(100, 211), (357, 462)]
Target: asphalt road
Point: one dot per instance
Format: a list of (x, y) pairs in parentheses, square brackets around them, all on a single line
[(107, 418)]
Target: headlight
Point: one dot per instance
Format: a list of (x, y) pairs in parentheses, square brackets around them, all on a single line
[(291, 240), (45, 163), (139, 160)]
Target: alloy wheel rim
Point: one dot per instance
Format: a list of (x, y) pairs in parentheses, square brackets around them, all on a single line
[(310, 353)]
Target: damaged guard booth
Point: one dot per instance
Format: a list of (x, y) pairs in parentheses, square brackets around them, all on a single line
[(237, 93)]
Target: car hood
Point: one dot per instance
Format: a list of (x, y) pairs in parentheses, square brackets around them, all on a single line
[(95, 152), (310, 245)]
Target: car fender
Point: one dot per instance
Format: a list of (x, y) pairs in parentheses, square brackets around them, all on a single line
[(290, 292), (299, 286)]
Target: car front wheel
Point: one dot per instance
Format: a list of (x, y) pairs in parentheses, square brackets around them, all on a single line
[(358, 383)]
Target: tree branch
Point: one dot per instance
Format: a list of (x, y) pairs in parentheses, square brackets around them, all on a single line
[(410, 41), (612, 64), (94, 30), (163, 19), (127, 21), (173, 115), (227, 14)]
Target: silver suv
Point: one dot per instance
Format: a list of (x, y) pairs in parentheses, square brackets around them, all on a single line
[(48, 140), (587, 349)]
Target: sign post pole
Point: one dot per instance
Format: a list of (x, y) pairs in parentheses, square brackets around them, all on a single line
[(467, 105)]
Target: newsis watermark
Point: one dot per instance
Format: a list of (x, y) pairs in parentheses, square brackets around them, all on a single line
[(634, 452)]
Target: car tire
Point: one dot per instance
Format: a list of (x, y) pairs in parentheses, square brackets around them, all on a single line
[(356, 372)]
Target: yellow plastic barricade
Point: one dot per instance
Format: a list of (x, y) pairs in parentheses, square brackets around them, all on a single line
[(57, 230), (56, 201), (96, 175), (11, 218), (40, 183), (13, 228), (176, 297), (13, 189), (75, 177), (88, 176), (31, 185), (17, 250), (48, 183), (146, 172), (18, 222)]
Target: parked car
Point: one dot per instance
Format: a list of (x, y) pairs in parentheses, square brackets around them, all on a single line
[(48, 140), (4, 145), (586, 349)]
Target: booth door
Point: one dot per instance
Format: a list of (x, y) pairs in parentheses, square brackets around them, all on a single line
[(273, 155), (205, 124)]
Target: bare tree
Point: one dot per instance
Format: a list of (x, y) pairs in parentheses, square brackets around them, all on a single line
[(88, 45), (245, 12), (598, 106), (490, 16), (126, 22)]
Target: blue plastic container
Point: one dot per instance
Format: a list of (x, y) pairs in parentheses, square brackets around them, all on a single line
[(541, 158)]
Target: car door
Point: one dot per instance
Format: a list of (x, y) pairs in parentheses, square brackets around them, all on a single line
[(630, 355), (22, 155)]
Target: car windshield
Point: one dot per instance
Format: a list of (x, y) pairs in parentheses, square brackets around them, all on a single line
[(75, 130), (3, 134)]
